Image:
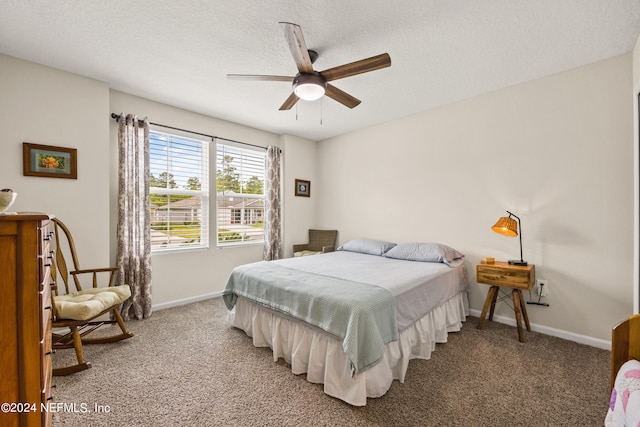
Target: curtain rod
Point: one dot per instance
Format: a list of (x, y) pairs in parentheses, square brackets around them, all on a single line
[(116, 117)]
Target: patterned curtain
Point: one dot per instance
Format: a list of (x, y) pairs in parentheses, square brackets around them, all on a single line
[(134, 242), (272, 237)]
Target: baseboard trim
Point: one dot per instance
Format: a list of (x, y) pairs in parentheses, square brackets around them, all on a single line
[(185, 301), (581, 339)]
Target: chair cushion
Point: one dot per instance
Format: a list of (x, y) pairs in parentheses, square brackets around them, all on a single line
[(88, 303), (306, 253)]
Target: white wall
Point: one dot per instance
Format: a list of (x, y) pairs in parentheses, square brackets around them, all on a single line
[(299, 213), (41, 105), (556, 151)]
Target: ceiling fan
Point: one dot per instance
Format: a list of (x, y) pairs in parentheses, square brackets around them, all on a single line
[(309, 84)]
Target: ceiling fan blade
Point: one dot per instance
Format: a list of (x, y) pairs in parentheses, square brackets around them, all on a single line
[(259, 77), (290, 102), (341, 96), (297, 46), (358, 67)]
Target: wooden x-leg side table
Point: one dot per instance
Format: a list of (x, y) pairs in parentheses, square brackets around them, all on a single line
[(502, 274)]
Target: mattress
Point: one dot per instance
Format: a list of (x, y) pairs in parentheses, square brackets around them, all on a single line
[(417, 287)]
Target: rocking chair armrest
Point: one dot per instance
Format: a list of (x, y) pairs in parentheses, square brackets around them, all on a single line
[(95, 270)]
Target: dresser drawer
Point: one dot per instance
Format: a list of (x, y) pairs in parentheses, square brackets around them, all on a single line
[(44, 235), (44, 265), (503, 274), (45, 254), (46, 354), (47, 310)]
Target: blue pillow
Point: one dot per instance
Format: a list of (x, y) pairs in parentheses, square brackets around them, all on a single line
[(426, 252), (367, 246)]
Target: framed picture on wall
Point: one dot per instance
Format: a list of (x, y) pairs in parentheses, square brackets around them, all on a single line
[(303, 188), (49, 161)]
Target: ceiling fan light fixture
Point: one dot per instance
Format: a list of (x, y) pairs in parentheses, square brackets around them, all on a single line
[(309, 86)]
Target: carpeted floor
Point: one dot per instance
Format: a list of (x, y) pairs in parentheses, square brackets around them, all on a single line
[(186, 367)]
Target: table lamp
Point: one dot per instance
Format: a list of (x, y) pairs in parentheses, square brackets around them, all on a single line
[(507, 226)]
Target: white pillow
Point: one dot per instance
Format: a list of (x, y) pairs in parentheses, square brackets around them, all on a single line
[(426, 252), (367, 246)]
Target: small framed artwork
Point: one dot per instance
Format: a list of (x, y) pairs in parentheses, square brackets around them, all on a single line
[(303, 188), (49, 161)]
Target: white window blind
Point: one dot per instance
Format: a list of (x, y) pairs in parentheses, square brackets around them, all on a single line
[(179, 190), (240, 172)]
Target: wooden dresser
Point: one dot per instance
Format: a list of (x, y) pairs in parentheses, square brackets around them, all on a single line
[(25, 320)]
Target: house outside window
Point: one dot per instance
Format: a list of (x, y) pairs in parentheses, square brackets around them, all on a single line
[(179, 190), (240, 172)]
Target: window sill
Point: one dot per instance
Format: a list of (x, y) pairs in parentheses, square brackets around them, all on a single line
[(240, 245), (177, 250)]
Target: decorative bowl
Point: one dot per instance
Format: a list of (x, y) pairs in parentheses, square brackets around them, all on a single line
[(6, 199)]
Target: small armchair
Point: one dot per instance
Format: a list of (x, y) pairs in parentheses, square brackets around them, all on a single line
[(320, 241)]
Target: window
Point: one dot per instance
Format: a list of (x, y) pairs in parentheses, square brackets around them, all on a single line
[(179, 190), (240, 193)]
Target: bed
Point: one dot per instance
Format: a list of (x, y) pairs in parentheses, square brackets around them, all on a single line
[(352, 319), (624, 407)]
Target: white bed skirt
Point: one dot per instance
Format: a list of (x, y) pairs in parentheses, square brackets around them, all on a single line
[(320, 355)]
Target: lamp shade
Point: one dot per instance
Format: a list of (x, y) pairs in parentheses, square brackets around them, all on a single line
[(309, 91), (506, 226), (309, 86)]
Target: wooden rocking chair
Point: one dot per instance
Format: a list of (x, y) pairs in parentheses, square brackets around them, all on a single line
[(82, 311)]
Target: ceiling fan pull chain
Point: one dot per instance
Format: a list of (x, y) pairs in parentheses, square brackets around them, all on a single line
[(296, 111), (321, 110)]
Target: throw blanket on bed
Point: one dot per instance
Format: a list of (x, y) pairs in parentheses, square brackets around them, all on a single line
[(362, 315)]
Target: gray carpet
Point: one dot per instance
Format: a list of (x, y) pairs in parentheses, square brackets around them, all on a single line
[(186, 367)]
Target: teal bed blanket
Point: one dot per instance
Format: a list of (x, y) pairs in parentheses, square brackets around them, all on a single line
[(363, 316)]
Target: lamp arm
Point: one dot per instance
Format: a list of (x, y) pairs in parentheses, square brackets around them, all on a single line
[(520, 227), (519, 233)]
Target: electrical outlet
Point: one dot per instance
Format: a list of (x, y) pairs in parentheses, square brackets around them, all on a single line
[(543, 287)]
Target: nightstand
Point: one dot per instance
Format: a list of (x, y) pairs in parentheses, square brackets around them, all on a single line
[(502, 274)]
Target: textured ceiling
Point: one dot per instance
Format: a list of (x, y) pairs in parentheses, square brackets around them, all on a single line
[(179, 52)]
